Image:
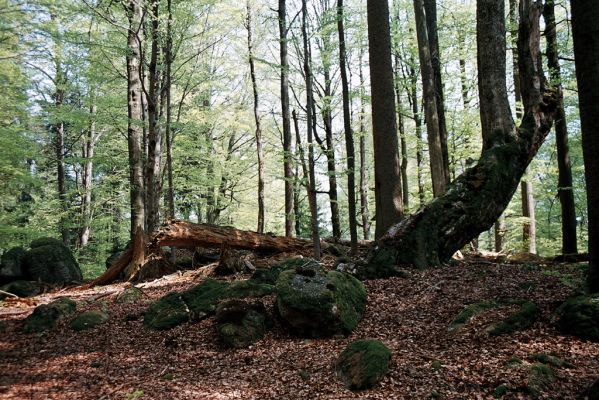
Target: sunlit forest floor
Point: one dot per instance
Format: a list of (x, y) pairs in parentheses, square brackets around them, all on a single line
[(413, 316)]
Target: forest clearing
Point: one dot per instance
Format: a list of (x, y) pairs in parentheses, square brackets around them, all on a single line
[(300, 199)]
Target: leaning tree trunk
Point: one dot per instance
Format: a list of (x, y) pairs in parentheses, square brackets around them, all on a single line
[(477, 198)]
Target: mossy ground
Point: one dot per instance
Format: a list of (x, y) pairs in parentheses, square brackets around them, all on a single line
[(540, 377), (522, 319), (470, 311), (363, 363), (167, 312)]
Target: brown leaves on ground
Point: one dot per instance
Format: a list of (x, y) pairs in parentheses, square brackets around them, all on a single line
[(123, 360)]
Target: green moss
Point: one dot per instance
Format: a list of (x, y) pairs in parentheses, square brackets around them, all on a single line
[(270, 275), (45, 241), (167, 312), (579, 316), (500, 391), (22, 288), (88, 320), (363, 363), (381, 264), (202, 299), (241, 322), (248, 288), (470, 311), (52, 263), (305, 375), (46, 316), (129, 295), (513, 362), (522, 319), (539, 378), (317, 303), (548, 359), (436, 365)]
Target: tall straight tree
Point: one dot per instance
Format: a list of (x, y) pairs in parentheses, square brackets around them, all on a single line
[(349, 136), (134, 111), (430, 9), (154, 141), (438, 175), (585, 14), (309, 107), (565, 188), (387, 178), (258, 132), (364, 211), (287, 141)]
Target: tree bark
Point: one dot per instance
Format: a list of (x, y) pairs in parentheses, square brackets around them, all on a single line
[(387, 185), (364, 211), (349, 137), (87, 153), (287, 137), (585, 15), (134, 111), (153, 178), (258, 134), (529, 230), (476, 199), (565, 188), (430, 9), (413, 95), (438, 175)]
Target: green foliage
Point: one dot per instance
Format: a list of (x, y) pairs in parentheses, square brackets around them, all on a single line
[(363, 363)]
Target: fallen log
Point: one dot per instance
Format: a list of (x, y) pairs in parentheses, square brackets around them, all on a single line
[(181, 233), (145, 260)]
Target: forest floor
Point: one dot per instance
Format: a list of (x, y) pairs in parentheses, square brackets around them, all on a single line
[(122, 359)]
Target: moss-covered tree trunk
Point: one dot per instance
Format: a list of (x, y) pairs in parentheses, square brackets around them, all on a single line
[(476, 199)]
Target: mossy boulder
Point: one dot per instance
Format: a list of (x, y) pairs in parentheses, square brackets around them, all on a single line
[(241, 322), (363, 363), (381, 264), (129, 295), (23, 288), (88, 320), (46, 316), (579, 316), (270, 275), (248, 288), (11, 264), (470, 311), (51, 262), (521, 319), (202, 299), (167, 312), (316, 303)]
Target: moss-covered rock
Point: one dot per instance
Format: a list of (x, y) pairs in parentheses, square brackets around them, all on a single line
[(23, 288), (470, 311), (88, 320), (593, 391), (270, 275), (382, 263), (129, 295), (540, 377), (52, 262), (248, 288), (500, 391), (363, 363), (11, 264), (241, 322), (316, 303), (46, 316), (522, 319), (202, 299), (549, 359), (167, 312), (579, 316)]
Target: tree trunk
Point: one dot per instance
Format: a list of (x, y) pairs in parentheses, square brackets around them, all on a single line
[(499, 234), (565, 189), (476, 199), (405, 192), (387, 185), (87, 153), (287, 141), (438, 175), (585, 15), (363, 173), (430, 9), (413, 93), (349, 137), (134, 111), (153, 178), (259, 151), (529, 230)]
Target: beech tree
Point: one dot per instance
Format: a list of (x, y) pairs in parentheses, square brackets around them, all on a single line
[(477, 198), (585, 15)]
